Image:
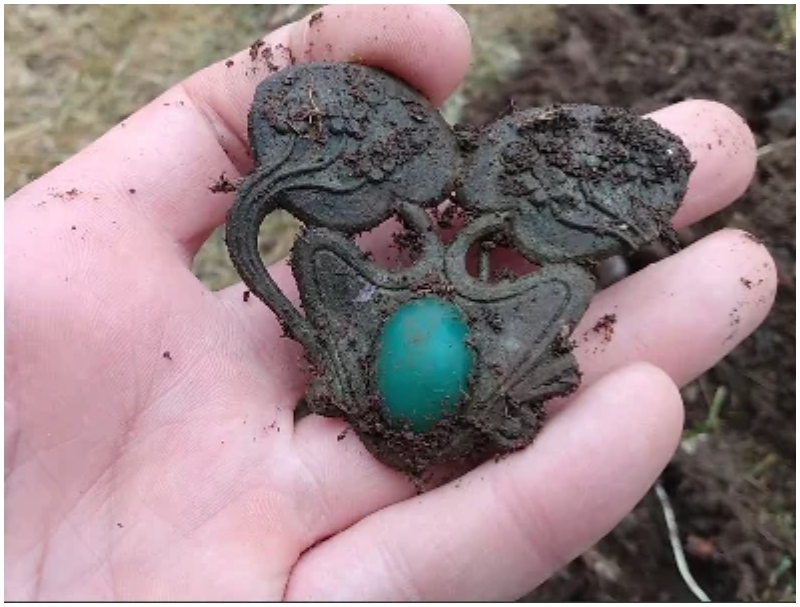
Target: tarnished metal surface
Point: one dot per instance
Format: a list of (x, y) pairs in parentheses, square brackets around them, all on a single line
[(345, 147)]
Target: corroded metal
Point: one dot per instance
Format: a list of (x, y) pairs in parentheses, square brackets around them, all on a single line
[(346, 147)]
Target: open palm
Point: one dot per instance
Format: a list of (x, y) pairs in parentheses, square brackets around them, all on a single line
[(151, 448)]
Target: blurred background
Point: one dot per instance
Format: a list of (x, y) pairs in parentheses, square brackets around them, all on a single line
[(72, 72)]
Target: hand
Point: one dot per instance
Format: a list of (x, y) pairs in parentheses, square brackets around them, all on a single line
[(151, 451)]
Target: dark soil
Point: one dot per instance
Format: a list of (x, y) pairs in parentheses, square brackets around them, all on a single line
[(223, 185), (732, 484)]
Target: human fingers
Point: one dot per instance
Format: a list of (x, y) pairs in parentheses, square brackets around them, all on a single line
[(506, 526), (163, 159), (682, 315)]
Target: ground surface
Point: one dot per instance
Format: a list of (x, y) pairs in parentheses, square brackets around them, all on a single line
[(74, 71)]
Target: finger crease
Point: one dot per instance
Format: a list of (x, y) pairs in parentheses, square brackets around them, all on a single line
[(396, 568), (526, 520), (228, 139)]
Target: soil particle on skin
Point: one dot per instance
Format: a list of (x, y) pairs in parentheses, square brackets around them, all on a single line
[(223, 185), (746, 282), (132, 191), (605, 326), (229, 63), (268, 55), (166, 355), (246, 296), (315, 18), (255, 48), (287, 53), (70, 194)]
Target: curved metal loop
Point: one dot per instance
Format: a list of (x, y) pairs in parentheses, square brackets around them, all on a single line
[(241, 237)]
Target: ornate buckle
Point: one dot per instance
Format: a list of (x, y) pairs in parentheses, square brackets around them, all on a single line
[(431, 362)]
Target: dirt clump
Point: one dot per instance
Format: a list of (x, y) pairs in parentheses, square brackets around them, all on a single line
[(223, 185)]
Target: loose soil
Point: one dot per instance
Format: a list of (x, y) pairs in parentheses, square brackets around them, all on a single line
[(732, 484)]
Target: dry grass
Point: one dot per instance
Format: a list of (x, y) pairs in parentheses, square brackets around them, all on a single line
[(72, 72), (786, 27)]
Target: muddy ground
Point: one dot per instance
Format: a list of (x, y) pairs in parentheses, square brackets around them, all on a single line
[(732, 485), (72, 72)]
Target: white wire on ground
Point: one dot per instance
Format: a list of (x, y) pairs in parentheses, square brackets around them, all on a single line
[(675, 541)]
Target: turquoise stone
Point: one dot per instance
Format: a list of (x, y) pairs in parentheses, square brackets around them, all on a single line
[(423, 362)]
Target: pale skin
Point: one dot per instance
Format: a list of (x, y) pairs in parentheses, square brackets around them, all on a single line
[(136, 474)]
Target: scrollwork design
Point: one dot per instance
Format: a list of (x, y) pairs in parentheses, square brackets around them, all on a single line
[(345, 147)]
